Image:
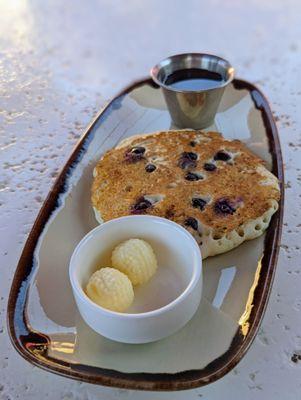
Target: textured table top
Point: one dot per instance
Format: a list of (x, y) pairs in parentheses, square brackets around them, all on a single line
[(59, 64)]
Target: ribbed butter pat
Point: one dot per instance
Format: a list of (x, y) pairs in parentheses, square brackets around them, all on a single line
[(111, 289), (135, 258)]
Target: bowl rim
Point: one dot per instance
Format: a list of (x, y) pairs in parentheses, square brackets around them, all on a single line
[(195, 277), (156, 69)]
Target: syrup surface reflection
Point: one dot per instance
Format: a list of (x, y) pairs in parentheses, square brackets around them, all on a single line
[(194, 79)]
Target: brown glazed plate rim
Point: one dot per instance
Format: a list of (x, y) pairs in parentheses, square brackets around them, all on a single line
[(33, 345)]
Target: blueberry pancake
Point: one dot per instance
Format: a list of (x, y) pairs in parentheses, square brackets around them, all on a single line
[(216, 188)]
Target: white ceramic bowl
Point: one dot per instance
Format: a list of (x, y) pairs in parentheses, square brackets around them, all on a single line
[(161, 306)]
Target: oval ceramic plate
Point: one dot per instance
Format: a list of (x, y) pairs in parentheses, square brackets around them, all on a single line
[(44, 324)]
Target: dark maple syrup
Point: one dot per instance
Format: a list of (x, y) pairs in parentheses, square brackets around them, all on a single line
[(194, 79)]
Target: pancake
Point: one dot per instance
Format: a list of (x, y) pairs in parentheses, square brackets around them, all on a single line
[(216, 188)]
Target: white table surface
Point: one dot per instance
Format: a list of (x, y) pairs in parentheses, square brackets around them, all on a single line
[(60, 61)]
